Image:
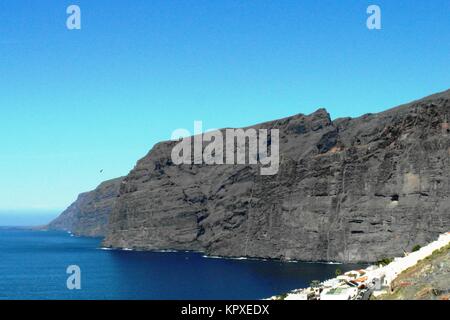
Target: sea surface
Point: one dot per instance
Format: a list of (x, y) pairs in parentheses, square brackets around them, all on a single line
[(33, 265)]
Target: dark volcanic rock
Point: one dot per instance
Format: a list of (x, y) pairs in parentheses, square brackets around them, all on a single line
[(347, 190), (88, 215)]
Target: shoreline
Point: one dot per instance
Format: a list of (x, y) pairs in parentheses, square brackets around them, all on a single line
[(206, 256)]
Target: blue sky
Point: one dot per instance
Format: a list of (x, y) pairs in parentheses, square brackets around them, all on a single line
[(75, 102)]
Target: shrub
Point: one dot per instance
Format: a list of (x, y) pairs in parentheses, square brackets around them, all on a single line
[(385, 261), (281, 296), (416, 248)]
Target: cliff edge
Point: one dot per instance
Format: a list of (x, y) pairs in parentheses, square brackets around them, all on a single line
[(89, 214)]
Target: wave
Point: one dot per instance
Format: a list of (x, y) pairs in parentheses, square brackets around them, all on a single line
[(234, 258)]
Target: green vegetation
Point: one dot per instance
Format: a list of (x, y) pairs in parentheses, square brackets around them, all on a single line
[(416, 248), (338, 272), (385, 261), (335, 291), (281, 296)]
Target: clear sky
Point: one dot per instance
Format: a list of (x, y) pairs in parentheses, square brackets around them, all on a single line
[(74, 102)]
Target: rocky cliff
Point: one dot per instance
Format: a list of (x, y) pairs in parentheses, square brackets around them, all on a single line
[(347, 190), (88, 215)]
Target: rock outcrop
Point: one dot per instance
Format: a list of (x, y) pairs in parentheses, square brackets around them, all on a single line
[(88, 215), (348, 190)]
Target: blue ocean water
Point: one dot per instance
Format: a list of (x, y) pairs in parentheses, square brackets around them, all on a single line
[(33, 266)]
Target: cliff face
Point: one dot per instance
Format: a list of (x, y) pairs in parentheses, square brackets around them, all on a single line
[(347, 190), (88, 215)]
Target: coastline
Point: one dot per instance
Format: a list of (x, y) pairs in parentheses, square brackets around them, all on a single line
[(206, 256)]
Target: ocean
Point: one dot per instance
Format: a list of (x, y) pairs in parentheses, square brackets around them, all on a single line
[(33, 265)]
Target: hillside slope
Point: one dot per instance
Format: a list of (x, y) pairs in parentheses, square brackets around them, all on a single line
[(428, 280)]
